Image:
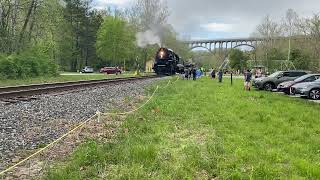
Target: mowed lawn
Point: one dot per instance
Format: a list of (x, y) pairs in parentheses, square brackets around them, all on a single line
[(207, 130)]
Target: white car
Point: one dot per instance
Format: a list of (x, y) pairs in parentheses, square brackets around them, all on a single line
[(87, 69)]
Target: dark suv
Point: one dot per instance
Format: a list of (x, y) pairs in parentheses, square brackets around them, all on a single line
[(271, 82)]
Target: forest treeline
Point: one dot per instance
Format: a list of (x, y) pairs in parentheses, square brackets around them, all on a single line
[(42, 37), (299, 46)]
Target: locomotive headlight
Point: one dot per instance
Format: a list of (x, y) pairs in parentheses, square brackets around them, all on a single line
[(161, 54)]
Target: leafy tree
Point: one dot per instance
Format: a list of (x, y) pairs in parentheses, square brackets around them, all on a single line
[(275, 54), (115, 40), (149, 14), (238, 60), (300, 59)]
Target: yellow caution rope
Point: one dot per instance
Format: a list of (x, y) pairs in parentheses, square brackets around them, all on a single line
[(78, 127)]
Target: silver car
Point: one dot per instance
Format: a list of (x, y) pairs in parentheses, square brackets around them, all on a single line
[(271, 82), (87, 69), (309, 89)]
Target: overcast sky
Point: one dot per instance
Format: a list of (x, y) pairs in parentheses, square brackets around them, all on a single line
[(212, 19)]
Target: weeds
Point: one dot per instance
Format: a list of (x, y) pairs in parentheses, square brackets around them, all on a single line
[(205, 130)]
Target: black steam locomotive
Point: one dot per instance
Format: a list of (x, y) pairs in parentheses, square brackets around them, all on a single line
[(167, 62)]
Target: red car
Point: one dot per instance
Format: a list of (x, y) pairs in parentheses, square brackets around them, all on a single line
[(111, 70)]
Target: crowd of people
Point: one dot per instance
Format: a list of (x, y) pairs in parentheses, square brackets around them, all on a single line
[(195, 73)]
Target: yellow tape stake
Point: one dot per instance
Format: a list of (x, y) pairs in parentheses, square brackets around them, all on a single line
[(176, 80), (76, 128), (49, 145)]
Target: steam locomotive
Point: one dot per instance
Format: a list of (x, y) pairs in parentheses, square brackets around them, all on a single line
[(167, 62)]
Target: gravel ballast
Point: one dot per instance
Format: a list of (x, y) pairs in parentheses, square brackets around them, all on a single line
[(30, 125)]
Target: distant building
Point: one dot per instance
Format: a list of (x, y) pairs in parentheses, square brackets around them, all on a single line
[(149, 66)]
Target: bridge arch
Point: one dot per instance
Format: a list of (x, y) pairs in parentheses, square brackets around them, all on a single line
[(249, 45), (203, 47)]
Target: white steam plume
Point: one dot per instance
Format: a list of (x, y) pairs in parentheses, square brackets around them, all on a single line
[(148, 37)]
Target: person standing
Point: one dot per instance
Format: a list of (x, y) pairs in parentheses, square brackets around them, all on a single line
[(213, 74), (202, 71), (258, 73), (247, 82), (194, 74), (186, 73), (220, 75)]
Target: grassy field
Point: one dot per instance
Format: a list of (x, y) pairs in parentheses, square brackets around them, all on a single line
[(61, 78), (206, 130)]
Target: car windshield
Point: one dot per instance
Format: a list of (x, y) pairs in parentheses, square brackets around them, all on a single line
[(301, 78), (275, 74)]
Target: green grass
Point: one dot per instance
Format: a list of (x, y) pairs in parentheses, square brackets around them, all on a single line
[(61, 78), (204, 130)]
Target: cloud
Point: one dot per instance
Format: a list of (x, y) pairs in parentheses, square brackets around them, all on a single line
[(223, 19), (217, 27), (102, 4), (230, 18)]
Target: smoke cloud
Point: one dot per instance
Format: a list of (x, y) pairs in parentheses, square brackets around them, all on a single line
[(148, 37), (63, 3)]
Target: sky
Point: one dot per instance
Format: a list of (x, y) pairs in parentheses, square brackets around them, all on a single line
[(217, 19)]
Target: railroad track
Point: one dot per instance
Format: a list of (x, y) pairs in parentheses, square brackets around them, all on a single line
[(24, 93)]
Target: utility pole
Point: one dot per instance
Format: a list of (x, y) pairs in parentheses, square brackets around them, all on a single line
[(124, 64), (289, 53)]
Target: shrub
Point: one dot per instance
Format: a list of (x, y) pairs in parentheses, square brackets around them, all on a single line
[(8, 69), (30, 63)]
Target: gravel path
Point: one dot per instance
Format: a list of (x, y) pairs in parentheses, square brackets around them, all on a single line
[(30, 125)]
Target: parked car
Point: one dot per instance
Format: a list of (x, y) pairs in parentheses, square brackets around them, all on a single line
[(111, 70), (286, 86), (271, 82), (309, 89), (87, 69)]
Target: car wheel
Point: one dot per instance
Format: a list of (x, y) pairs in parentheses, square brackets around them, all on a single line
[(287, 92), (314, 94), (268, 86)]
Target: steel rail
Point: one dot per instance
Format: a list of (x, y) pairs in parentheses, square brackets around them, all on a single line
[(36, 89)]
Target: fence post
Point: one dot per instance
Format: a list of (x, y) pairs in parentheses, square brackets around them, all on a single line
[(99, 116), (231, 79)]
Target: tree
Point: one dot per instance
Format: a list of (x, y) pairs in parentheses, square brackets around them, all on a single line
[(291, 23), (300, 59), (268, 29), (152, 16), (290, 26), (238, 60), (149, 14), (84, 24), (115, 40)]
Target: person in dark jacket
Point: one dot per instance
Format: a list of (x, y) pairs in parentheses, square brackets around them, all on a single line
[(220, 75), (194, 74), (186, 73), (247, 80), (213, 74)]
